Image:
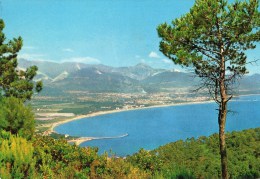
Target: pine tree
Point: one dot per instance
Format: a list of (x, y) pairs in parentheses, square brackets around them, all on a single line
[(14, 82), (212, 39), (16, 117)]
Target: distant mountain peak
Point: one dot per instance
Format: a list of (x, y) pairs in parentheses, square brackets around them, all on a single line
[(143, 65)]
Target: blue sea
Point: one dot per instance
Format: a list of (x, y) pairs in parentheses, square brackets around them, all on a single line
[(153, 127)]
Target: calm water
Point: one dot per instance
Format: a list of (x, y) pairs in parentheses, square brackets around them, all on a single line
[(150, 128)]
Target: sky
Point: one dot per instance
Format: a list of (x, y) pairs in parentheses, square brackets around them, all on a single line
[(111, 32)]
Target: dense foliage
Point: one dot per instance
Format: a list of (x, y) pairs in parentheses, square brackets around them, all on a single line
[(16, 157), (16, 117), (199, 157), (212, 39), (45, 157), (14, 82)]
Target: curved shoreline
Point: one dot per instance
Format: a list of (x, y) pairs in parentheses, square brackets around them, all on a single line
[(80, 140), (99, 113)]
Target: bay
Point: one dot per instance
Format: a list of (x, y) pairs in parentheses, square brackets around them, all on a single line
[(153, 127)]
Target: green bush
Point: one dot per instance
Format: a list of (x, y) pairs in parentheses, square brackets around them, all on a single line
[(199, 157), (16, 158), (45, 157), (16, 117)]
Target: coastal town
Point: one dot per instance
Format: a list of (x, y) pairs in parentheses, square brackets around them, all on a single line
[(52, 111)]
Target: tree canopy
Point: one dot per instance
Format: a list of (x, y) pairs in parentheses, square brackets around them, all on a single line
[(13, 81), (197, 38), (212, 39), (16, 117), (45, 157)]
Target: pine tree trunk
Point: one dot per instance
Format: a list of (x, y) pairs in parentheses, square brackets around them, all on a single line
[(222, 111), (222, 139)]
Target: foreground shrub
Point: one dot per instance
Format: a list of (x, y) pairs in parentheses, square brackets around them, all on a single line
[(199, 157), (57, 158), (16, 117), (16, 158)]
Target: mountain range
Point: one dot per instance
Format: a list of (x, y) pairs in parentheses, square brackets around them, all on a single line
[(141, 78)]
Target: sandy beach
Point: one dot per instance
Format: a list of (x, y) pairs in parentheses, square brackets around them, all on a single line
[(123, 110), (80, 140), (120, 110)]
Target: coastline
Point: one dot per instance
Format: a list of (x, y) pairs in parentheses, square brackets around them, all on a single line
[(80, 140), (99, 113)]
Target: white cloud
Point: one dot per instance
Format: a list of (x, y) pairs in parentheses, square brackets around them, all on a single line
[(144, 61), (87, 60), (30, 56), (168, 61), (153, 55), (41, 57), (68, 50), (35, 57)]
